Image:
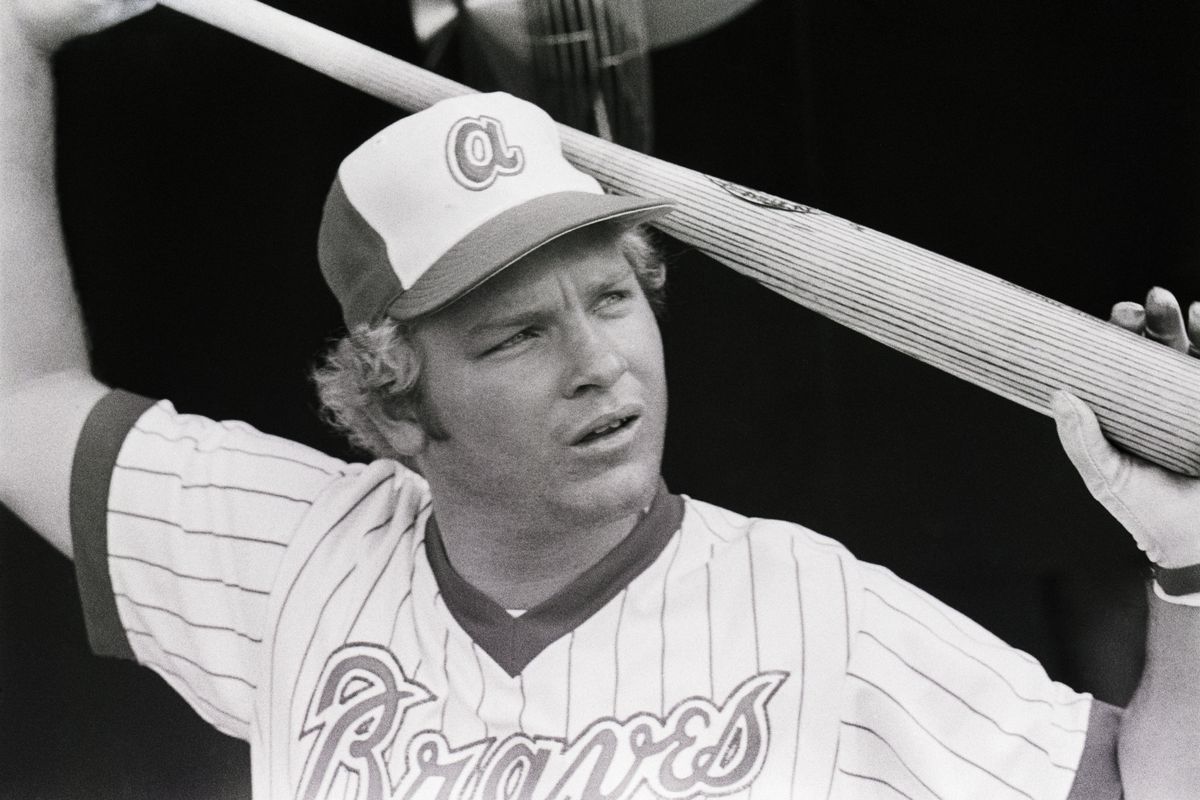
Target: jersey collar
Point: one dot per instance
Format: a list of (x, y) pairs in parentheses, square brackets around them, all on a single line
[(513, 642)]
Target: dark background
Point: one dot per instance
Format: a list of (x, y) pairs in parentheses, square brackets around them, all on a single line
[(1056, 144)]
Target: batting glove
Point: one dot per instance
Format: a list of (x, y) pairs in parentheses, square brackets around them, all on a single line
[(1159, 507)]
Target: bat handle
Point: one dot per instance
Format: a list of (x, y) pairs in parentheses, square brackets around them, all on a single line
[(343, 59), (358, 66)]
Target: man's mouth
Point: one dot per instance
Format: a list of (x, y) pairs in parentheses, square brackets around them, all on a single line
[(607, 429)]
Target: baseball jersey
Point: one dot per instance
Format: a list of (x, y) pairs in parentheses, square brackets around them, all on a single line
[(308, 606)]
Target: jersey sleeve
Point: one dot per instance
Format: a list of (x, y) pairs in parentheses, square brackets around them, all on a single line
[(935, 706), (179, 526)]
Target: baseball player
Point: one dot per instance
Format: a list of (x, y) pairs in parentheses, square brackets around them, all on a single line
[(508, 602)]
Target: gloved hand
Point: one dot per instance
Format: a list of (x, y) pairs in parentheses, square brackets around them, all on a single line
[(1159, 507)]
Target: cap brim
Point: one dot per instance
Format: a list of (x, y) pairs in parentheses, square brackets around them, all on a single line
[(510, 236)]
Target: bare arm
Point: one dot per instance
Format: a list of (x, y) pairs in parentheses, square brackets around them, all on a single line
[(46, 388), (1159, 745)]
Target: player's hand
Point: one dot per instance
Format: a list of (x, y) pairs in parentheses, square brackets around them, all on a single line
[(1160, 319), (47, 24), (1159, 507)]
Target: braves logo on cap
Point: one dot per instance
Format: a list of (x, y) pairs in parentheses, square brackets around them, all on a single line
[(477, 152)]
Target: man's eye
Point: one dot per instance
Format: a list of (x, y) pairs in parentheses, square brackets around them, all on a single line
[(517, 338), (614, 297)]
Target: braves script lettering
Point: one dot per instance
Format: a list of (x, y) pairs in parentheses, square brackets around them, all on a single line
[(477, 152), (698, 748), (362, 699)]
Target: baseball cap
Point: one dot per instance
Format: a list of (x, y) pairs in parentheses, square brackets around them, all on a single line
[(440, 201)]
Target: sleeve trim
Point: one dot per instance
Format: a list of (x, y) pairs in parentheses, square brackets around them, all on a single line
[(1098, 777), (91, 474)]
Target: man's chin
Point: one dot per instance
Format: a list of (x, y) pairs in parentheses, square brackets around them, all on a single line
[(615, 493)]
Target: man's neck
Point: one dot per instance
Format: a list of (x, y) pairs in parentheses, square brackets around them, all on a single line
[(520, 564)]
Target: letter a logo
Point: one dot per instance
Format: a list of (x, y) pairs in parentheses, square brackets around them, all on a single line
[(477, 152)]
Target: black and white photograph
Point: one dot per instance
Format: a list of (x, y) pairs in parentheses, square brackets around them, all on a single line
[(599, 400)]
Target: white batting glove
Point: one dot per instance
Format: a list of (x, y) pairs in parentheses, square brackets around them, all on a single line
[(1161, 319), (1159, 507)]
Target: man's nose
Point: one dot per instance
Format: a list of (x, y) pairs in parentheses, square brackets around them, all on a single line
[(595, 361)]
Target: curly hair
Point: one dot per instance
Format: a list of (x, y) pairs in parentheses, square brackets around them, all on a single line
[(371, 376)]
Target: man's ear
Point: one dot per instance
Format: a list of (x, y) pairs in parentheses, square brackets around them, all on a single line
[(407, 437)]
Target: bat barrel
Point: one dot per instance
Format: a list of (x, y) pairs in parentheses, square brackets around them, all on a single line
[(1013, 342)]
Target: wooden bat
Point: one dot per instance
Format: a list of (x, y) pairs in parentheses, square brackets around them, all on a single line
[(992, 333)]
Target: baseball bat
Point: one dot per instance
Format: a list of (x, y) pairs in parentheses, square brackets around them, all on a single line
[(976, 326)]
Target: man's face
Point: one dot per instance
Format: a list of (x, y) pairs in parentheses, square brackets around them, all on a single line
[(548, 382)]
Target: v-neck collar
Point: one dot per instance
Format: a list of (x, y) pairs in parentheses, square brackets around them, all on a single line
[(513, 642)]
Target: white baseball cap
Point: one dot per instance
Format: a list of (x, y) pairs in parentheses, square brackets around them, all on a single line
[(435, 204)]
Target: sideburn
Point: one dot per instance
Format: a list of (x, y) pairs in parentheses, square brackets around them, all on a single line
[(413, 406), (422, 412), (410, 402)]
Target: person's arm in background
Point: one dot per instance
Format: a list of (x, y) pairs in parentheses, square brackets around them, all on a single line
[(1158, 742), (46, 386)]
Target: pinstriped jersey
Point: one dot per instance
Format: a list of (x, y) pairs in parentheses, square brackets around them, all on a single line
[(308, 606)]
